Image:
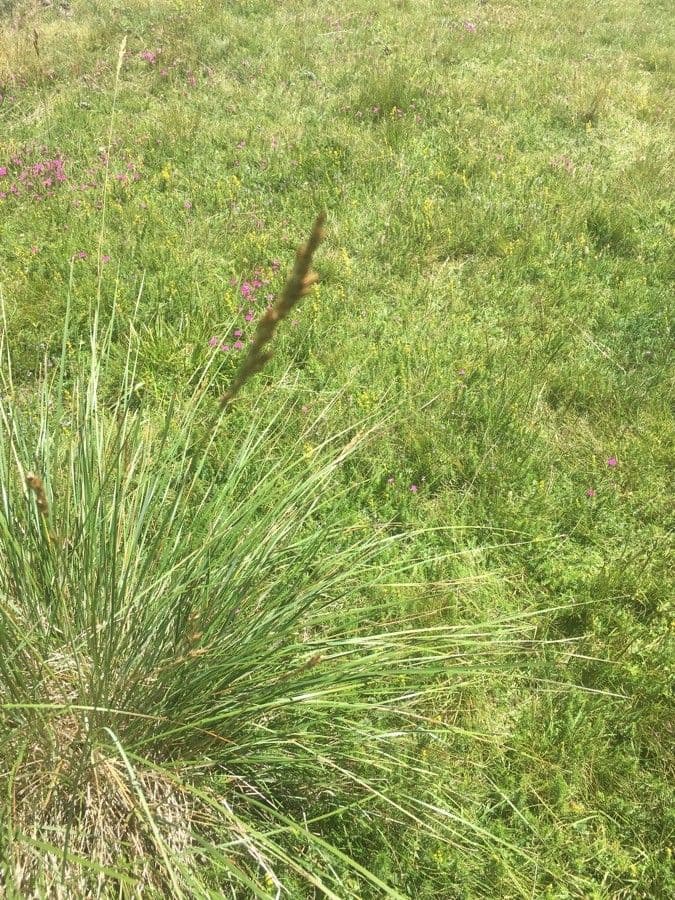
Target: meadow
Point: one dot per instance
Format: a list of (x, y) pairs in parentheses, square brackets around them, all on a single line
[(397, 620)]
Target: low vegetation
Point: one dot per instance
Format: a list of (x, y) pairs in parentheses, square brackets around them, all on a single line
[(375, 602)]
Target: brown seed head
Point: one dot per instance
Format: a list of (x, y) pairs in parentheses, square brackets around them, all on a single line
[(299, 284), (34, 482)]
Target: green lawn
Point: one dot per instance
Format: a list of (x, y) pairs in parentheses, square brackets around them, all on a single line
[(495, 306)]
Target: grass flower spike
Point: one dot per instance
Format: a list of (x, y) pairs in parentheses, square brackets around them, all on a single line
[(34, 482), (298, 285)]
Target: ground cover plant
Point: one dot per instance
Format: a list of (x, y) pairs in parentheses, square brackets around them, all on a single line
[(469, 606)]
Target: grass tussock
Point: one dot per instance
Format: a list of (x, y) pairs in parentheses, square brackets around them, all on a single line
[(197, 672)]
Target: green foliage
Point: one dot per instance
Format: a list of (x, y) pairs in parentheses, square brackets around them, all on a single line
[(195, 664), (498, 271)]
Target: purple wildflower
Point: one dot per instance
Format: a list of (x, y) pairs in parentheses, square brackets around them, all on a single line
[(612, 462), (591, 492), (238, 345), (213, 342), (3, 171), (413, 489)]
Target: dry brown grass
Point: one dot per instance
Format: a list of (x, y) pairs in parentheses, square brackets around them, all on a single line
[(77, 802)]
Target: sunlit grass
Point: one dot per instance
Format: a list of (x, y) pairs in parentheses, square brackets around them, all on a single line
[(495, 293)]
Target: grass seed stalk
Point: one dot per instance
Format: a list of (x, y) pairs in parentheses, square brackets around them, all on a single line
[(298, 285)]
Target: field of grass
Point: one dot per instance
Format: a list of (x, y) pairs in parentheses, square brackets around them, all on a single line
[(430, 544)]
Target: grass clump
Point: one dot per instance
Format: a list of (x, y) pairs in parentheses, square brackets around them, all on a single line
[(199, 676)]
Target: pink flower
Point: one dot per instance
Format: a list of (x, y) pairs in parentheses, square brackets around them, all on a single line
[(238, 333), (246, 289), (187, 204), (225, 347), (3, 171), (249, 316), (34, 250), (213, 342), (591, 492), (413, 488), (105, 258), (612, 462), (470, 26), (276, 265), (148, 56), (238, 345), (81, 254)]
